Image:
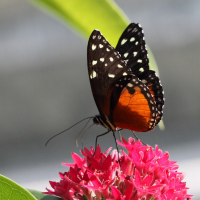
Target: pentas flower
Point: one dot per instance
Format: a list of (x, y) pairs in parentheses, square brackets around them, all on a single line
[(141, 174)]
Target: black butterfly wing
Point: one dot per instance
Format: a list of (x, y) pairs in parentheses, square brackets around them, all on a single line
[(132, 48), (105, 67)]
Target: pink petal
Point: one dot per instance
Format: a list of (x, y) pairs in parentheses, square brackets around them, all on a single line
[(69, 164), (85, 177), (107, 175), (116, 193), (94, 180), (107, 163), (60, 190), (74, 175), (135, 157), (138, 180), (108, 151), (95, 164), (148, 180), (61, 175), (97, 152), (129, 191), (87, 152), (78, 160), (53, 184), (169, 194), (124, 141)]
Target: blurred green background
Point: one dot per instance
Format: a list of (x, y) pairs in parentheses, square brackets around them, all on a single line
[(45, 88)]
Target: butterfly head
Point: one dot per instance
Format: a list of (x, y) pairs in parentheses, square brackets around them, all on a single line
[(104, 121), (96, 120)]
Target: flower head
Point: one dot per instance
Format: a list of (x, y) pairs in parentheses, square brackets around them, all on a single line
[(142, 173)]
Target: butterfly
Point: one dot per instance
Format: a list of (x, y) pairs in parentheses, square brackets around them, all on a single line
[(127, 93)]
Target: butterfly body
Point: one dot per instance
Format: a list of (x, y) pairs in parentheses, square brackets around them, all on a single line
[(128, 95)]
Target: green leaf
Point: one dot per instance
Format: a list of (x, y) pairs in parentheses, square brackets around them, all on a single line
[(87, 15), (9, 190), (41, 196)]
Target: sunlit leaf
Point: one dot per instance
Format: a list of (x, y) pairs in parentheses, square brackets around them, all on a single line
[(87, 15), (9, 190)]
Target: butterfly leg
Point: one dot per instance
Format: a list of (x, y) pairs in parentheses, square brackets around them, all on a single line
[(118, 130), (138, 138), (97, 138), (116, 147)]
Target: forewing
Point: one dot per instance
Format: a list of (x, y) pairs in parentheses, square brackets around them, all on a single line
[(105, 66), (132, 48)]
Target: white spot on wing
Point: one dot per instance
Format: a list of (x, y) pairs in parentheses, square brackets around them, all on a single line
[(102, 59), (132, 39), (141, 69), (130, 85), (134, 53), (119, 66), (111, 59), (125, 55), (93, 47), (94, 62), (144, 81), (100, 46), (123, 41), (139, 61), (111, 75), (107, 49), (125, 74), (93, 75), (136, 43)]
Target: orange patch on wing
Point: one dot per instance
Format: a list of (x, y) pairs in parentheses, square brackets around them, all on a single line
[(132, 111)]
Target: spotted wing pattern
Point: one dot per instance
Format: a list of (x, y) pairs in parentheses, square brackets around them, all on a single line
[(105, 67), (127, 94), (132, 48)]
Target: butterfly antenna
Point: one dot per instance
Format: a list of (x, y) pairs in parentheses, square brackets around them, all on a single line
[(66, 130), (84, 132), (81, 132)]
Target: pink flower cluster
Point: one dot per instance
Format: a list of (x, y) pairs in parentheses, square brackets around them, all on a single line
[(141, 174)]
